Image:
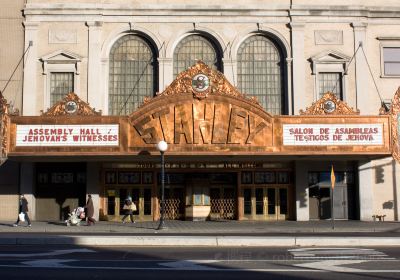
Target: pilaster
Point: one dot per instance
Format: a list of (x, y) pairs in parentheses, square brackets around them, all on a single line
[(361, 68), (165, 73), (298, 95), (29, 95), (289, 86), (230, 67), (94, 65)]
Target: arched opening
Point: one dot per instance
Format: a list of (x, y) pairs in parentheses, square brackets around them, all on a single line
[(133, 74), (261, 72), (197, 47)]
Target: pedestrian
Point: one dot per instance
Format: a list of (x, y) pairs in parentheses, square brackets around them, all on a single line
[(129, 207), (90, 211), (23, 211)]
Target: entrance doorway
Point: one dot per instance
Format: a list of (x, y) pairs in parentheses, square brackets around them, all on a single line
[(266, 195), (60, 188), (266, 203), (123, 183), (320, 195)]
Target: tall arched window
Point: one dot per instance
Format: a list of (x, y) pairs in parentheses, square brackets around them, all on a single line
[(132, 74), (260, 71), (193, 48)]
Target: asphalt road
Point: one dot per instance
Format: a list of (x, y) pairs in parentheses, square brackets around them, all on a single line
[(72, 262)]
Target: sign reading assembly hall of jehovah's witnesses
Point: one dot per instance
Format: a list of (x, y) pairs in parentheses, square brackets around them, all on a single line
[(201, 113)]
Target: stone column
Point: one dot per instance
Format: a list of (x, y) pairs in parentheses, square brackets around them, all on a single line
[(93, 182), (95, 92), (297, 34), (362, 73), (30, 93), (26, 187), (165, 73), (302, 199), (366, 198)]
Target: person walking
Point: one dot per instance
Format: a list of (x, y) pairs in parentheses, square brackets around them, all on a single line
[(128, 208), (23, 211), (90, 211)]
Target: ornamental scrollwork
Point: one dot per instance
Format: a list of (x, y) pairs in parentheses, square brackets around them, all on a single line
[(71, 105), (329, 104), (4, 129), (394, 122), (200, 81)]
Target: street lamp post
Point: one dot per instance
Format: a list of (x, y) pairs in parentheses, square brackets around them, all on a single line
[(162, 146)]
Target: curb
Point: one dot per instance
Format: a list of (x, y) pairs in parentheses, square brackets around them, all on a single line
[(204, 241)]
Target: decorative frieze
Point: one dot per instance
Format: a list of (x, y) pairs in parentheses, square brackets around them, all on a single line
[(63, 36), (328, 37)]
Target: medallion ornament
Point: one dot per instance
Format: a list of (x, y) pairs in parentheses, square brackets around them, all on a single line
[(200, 84)]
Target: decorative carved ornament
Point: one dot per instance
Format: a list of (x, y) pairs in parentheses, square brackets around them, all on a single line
[(201, 81), (395, 118), (329, 104), (71, 105), (4, 127)]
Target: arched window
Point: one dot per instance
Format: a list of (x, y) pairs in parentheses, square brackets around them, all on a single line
[(132, 74), (260, 71), (193, 48)]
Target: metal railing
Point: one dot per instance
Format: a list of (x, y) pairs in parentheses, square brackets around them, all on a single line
[(172, 207), (223, 209)]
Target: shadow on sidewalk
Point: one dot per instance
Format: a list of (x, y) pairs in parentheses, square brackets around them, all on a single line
[(57, 223), (6, 225)]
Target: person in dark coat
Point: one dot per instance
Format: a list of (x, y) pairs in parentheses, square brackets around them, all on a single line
[(23, 208), (90, 211)]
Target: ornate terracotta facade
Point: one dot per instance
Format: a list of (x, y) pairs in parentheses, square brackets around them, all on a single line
[(4, 129)]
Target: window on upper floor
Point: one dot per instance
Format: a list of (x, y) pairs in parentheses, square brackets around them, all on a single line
[(61, 73), (391, 61), (260, 69), (61, 83), (132, 74), (329, 69), (330, 82), (193, 48)]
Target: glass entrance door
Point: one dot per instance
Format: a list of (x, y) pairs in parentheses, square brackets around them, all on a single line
[(140, 195), (266, 203)]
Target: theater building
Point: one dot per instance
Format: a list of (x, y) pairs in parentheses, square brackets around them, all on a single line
[(257, 103)]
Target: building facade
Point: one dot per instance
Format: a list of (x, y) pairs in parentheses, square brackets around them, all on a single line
[(11, 75), (115, 55)]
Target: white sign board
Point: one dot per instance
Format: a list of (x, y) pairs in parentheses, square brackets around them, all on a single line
[(68, 135), (332, 134)]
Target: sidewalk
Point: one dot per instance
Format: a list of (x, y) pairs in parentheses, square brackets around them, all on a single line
[(210, 233)]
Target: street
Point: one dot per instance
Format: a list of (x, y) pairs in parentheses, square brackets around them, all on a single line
[(73, 262)]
